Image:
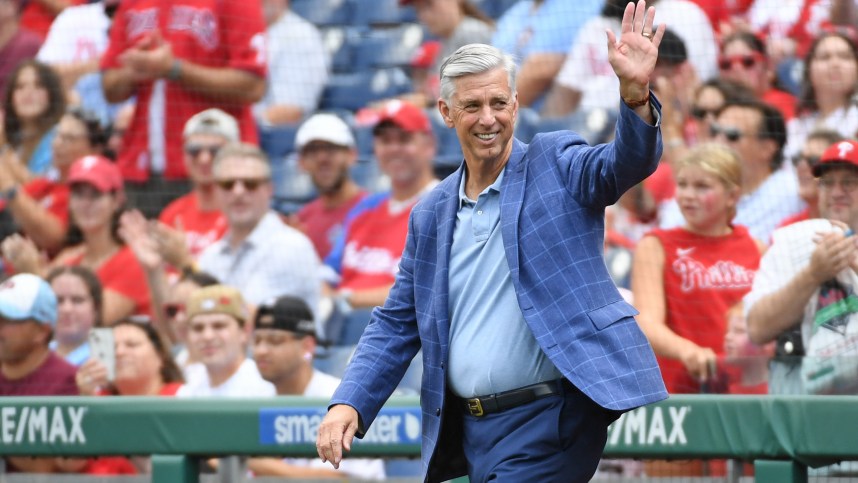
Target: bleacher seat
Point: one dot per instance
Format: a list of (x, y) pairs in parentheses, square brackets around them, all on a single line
[(356, 90), (278, 141), (388, 47), (341, 43), (494, 8), (449, 151), (324, 12), (381, 12)]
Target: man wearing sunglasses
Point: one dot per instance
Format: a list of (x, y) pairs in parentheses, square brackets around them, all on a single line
[(757, 132), (806, 285), (259, 254), (196, 215)]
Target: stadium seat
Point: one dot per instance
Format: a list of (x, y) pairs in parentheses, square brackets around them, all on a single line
[(278, 141), (363, 138), (367, 174), (356, 90), (292, 186), (789, 73), (449, 155), (323, 12), (381, 12), (340, 43), (493, 8), (388, 47)]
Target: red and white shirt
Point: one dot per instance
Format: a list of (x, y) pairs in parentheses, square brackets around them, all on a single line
[(212, 33), (201, 228), (703, 278)]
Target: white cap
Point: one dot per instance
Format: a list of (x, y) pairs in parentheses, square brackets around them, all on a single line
[(26, 296), (324, 127), (213, 121)]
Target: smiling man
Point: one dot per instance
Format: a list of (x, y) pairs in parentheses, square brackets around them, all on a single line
[(529, 351)]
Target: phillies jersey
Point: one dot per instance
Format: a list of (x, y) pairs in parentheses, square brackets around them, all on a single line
[(703, 278), (211, 33), (201, 228), (367, 255)]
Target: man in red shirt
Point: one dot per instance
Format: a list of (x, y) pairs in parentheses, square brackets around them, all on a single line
[(366, 257), (197, 214), (179, 58), (28, 312), (327, 151)]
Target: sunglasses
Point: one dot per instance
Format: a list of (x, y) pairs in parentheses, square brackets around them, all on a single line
[(746, 61), (194, 150), (810, 160), (732, 134), (250, 184), (172, 310), (701, 113)]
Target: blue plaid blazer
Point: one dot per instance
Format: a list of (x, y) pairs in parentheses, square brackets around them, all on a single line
[(553, 200)]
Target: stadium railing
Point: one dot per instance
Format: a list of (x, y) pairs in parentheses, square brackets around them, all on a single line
[(783, 435)]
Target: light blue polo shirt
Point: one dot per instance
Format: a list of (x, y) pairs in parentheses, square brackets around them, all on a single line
[(491, 347)]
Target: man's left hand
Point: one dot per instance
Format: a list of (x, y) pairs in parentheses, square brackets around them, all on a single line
[(634, 54)]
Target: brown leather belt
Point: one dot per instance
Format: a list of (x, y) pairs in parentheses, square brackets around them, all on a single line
[(493, 403)]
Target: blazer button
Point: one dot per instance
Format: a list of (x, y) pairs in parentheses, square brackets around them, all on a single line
[(438, 412), (442, 365)]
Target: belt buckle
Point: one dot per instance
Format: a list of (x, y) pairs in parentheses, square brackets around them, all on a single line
[(475, 407)]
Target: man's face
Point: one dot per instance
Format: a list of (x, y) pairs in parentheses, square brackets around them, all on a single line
[(279, 353), (199, 153), (244, 190), (327, 164), (838, 195), (19, 338), (739, 128), (406, 157), (483, 111), (217, 339), (740, 63)]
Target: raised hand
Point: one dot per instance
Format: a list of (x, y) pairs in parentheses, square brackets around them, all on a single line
[(634, 54), (134, 231)]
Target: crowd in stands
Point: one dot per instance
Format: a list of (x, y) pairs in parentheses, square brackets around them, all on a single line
[(227, 185)]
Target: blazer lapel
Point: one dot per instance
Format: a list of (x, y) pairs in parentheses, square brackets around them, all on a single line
[(512, 197), (445, 220)]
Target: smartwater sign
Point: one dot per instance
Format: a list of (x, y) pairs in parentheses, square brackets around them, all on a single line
[(392, 426)]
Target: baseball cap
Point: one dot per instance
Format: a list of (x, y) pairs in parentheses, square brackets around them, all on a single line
[(97, 171), (286, 313), (26, 296), (217, 299), (324, 127), (424, 57), (213, 121), (405, 115), (839, 154)]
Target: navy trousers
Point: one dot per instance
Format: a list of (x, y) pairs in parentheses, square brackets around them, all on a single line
[(557, 438)]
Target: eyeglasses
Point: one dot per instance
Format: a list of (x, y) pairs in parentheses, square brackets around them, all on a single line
[(810, 160), (194, 150), (746, 61), (68, 137), (250, 184), (172, 310), (701, 113), (731, 133), (848, 184)]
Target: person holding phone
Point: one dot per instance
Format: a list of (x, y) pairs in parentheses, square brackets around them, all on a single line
[(143, 365), (79, 301)]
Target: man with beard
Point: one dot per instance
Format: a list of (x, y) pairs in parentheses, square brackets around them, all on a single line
[(327, 151)]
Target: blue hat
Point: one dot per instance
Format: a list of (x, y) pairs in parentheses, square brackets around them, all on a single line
[(26, 296)]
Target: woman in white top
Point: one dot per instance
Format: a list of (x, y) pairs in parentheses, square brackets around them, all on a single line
[(829, 86)]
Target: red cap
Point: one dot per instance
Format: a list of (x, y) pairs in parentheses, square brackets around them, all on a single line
[(405, 115), (405, 2), (838, 154), (424, 58), (97, 171)]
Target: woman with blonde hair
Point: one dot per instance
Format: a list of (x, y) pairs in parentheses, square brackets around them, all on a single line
[(686, 279)]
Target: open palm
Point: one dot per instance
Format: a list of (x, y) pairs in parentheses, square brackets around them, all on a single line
[(634, 54)]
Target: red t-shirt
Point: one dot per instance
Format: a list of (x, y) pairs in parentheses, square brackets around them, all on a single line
[(38, 18), (123, 274), (802, 216), (53, 196), (212, 33), (783, 101), (373, 244), (324, 225), (703, 278), (55, 377), (202, 228)]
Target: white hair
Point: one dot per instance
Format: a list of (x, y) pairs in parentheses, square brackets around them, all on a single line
[(474, 59)]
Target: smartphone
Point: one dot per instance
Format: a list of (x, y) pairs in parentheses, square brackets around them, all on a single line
[(102, 348)]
